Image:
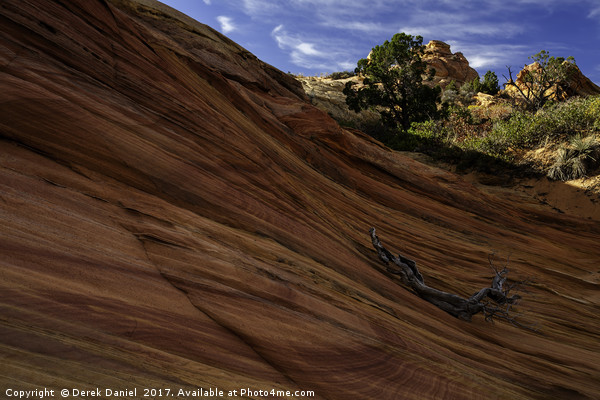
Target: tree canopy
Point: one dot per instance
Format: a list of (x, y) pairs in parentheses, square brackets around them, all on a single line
[(393, 83)]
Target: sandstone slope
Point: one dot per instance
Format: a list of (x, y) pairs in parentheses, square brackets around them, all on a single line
[(175, 214)]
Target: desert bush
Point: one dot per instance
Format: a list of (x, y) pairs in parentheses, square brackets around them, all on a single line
[(340, 75), (575, 159), (516, 131), (588, 113), (488, 85), (450, 93), (554, 122), (467, 91), (429, 132), (502, 138)]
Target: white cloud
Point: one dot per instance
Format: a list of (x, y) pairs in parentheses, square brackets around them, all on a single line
[(364, 27), (301, 51), (308, 49), (332, 35), (482, 61), (347, 65), (207, 2), (285, 41), (490, 56), (259, 8), (318, 53), (447, 25), (226, 24)]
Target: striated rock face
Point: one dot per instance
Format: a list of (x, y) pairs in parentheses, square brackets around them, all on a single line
[(175, 214), (448, 66)]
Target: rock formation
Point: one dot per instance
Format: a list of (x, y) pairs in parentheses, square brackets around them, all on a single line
[(581, 85), (448, 66), (175, 214), (326, 94), (577, 85)]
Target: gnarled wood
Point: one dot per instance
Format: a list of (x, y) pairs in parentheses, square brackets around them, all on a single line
[(451, 303)]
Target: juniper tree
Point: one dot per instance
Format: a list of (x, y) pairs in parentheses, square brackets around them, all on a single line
[(393, 83)]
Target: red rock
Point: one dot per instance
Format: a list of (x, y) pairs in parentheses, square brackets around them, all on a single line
[(175, 214)]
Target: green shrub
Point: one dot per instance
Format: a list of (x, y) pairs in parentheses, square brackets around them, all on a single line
[(428, 131), (450, 93), (517, 131), (489, 85), (340, 75), (554, 122)]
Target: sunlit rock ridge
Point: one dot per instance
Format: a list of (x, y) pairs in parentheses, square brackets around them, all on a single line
[(175, 214)]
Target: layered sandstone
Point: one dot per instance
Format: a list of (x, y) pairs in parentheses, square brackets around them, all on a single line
[(448, 66), (175, 214)]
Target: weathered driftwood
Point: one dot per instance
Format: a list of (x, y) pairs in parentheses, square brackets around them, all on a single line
[(492, 301)]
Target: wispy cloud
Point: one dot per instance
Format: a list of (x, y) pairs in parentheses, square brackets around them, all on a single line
[(309, 50), (362, 27), (446, 31), (325, 35), (447, 25), (488, 55), (226, 23), (207, 2), (302, 53), (316, 53), (260, 8)]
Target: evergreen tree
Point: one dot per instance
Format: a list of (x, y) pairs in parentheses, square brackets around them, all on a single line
[(393, 83), (490, 83)]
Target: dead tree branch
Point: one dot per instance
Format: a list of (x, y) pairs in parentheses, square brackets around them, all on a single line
[(493, 301)]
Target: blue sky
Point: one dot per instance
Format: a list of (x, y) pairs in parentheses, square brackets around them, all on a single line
[(320, 36)]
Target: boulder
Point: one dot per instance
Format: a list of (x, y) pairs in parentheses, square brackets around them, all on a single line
[(326, 94), (448, 66), (581, 85), (484, 100)]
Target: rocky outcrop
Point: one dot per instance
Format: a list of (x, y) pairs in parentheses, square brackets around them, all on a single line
[(326, 94), (581, 85), (448, 66), (576, 85), (175, 214)]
